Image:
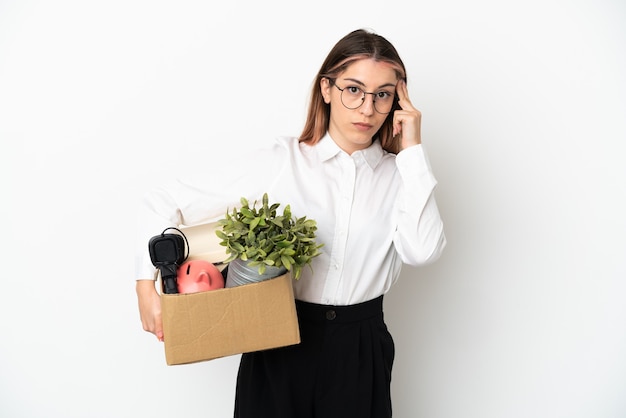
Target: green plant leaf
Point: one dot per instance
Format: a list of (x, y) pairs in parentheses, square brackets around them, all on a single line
[(297, 271), (255, 222), (247, 212), (286, 261)]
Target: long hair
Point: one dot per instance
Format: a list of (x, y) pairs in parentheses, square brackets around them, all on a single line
[(357, 45)]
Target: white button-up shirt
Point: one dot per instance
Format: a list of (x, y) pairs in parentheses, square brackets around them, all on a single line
[(374, 211)]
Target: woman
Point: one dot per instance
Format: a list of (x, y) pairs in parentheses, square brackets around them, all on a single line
[(360, 171)]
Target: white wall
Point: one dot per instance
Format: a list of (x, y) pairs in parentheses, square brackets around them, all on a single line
[(524, 120)]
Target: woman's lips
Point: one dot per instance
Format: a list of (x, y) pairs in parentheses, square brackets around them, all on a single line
[(362, 126)]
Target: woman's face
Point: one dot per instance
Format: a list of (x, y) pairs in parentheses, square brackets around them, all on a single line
[(353, 129)]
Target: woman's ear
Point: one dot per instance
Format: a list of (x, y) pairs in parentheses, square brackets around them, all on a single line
[(325, 89)]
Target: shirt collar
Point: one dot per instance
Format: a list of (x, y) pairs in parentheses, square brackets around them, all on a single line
[(328, 149)]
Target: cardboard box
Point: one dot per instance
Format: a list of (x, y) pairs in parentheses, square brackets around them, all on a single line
[(207, 325)]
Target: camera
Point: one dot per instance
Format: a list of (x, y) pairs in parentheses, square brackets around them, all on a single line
[(167, 252)]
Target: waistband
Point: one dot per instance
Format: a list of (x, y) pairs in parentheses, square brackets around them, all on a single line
[(350, 313)]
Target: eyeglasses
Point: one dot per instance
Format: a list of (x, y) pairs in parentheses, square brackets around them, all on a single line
[(353, 97)]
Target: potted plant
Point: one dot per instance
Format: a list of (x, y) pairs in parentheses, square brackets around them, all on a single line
[(262, 243)]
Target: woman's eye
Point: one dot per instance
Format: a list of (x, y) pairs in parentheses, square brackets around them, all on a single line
[(354, 90), (383, 95)]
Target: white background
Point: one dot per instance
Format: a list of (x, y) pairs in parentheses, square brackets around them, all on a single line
[(524, 119)]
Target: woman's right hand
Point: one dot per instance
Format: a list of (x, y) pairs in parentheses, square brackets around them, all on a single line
[(150, 307)]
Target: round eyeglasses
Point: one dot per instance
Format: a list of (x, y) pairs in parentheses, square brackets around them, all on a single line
[(353, 97)]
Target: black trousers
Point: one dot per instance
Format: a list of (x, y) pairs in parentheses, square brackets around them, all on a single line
[(341, 368)]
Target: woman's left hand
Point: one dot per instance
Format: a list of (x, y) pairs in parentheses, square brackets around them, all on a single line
[(407, 121)]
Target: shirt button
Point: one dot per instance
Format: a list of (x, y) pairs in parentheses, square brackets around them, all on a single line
[(330, 315)]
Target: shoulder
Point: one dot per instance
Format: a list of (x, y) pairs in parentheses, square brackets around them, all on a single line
[(277, 145), (287, 142), (278, 151), (292, 146)]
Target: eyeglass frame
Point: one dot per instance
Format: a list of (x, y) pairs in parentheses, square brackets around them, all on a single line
[(332, 81)]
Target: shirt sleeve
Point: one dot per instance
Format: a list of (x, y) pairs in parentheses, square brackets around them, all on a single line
[(203, 197), (419, 238)]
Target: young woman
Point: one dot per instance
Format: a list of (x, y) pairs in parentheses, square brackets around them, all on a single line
[(360, 171)]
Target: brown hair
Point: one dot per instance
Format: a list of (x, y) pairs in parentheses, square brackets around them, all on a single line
[(357, 45)]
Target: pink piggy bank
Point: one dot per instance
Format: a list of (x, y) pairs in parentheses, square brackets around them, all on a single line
[(198, 276)]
